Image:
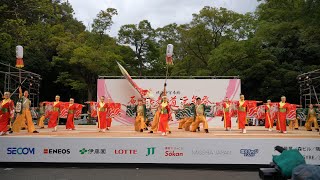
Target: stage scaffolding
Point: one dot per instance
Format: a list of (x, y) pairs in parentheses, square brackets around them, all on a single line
[(12, 77), (171, 77), (309, 87)]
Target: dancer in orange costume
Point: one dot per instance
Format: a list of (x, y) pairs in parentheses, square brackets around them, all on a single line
[(102, 115), (242, 113), (226, 114), (54, 116), (269, 120), (165, 115), (156, 118), (282, 115), (70, 118), (6, 107), (109, 119)]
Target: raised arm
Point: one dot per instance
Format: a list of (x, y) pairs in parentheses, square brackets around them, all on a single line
[(20, 92)]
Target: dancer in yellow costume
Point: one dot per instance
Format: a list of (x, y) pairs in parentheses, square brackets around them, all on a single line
[(312, 118), (42, 116), (140, 122), (25, 114), (199, 117)]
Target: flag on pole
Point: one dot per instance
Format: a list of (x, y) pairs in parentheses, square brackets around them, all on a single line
[(125, 73)]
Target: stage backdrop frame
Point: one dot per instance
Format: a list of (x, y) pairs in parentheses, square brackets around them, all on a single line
[(210, 90)]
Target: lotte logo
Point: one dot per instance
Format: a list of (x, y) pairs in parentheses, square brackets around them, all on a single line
[(151, 151), (125, 151)]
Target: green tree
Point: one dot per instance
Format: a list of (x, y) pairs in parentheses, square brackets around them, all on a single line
[(141, 37)]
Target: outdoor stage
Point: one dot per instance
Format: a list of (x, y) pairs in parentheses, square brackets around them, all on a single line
[(91, 131), (123, 145)]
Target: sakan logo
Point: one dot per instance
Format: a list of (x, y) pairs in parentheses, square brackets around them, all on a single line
[(56, 151), (20, 150), (173, 151), (249, 152)]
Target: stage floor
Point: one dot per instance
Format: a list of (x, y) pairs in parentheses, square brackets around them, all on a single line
[(89, 131)]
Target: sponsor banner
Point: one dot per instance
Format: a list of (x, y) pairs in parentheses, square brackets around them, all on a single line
[(149, 150), (210, 90)]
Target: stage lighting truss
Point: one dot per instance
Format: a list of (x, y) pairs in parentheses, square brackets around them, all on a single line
[(12, 77), (309, 84)]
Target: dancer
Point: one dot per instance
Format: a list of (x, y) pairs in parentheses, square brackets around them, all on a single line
[(156, 118), (183, 117), (54, 116), (165, 115), (141, 110), (242, 114), (41, 115), (25, 114), (190, 120), (155, 121), (269, 120), (226, 114), (312, 118), (102, 115), (199, 116), (6, 107), (282, 115), (294, 124), (70, 118), (109, 118)]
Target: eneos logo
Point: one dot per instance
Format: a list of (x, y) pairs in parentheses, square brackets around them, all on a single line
[(56, 151), (249, 152), (20, 150)]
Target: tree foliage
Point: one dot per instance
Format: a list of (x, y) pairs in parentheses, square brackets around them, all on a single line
[(267, 48)]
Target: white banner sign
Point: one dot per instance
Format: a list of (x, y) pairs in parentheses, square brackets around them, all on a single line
[(151, 150), (209, 90)]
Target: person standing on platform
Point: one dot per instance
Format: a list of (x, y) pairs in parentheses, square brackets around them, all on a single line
[(41, 115), (6, 107), (199, 117), (165, 115), (282, 115), (269, 120), (109, 118), (70, 117), (25, 114), (141, 110), (102, 115), (242, 114), (227, 114), (312, 118), (54, 116)]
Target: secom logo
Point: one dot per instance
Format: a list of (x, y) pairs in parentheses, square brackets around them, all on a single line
[(25, 151)]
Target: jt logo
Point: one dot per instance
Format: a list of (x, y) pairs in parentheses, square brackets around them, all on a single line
[(150, 151)]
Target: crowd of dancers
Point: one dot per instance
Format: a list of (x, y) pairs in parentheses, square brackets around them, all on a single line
[(160, 120)]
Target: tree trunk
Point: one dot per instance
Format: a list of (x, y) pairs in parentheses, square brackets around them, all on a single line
[(90, 94)]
